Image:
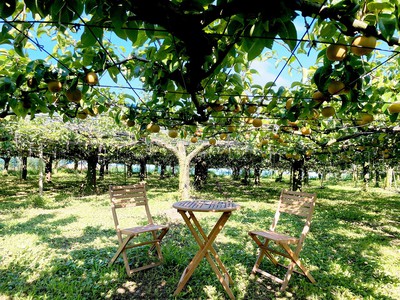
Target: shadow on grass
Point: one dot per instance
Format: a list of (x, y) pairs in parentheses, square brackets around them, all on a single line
[(85, 273), (40, 225), (349, 231)]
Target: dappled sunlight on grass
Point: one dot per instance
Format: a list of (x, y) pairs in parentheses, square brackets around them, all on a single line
[(58, 246)]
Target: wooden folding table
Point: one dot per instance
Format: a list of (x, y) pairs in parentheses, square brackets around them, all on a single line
[(187, 209)]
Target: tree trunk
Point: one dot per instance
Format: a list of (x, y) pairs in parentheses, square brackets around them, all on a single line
[(163, 168), (55, 167), (257, 175), (184, 178), (184, 163), (101, 161), (355, 174), (142, 172), (155, 167), (129, 170), (92, 160), (48, 169), (41, 170), (200, 173), (246, 175), (6, 164), (184, 171), (297, 174), (306, 180), (337, 172), (106, 168), (377, 177), (173, 168), (279, 178), (389, 178), (322, 176), (24, 168), (76, 165), (101, 170), (366, 176), (235, 173)]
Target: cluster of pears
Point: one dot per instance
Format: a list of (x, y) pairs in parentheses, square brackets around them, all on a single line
[(361, 45), (74, 94)]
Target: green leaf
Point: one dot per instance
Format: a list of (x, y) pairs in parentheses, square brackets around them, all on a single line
[(6, 85), (90, 35), (256, 49), (87, 38), (256, 86), (289, 34), (5, 36), (328, 30), (113, 72), (272, 104), (386, 97), (118, 19), (233, 26), (42, 7), (150, 31), (379, 5), (131, 31), (76, 6), (343, 108), (141, 38), (19, 43), (321, 77), (393, 117), (31, 4), (387, 25), (56, 9), (235, 79), (7, 7)]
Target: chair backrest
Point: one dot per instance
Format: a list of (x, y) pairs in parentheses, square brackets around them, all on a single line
[(123, 196), (296, 203)]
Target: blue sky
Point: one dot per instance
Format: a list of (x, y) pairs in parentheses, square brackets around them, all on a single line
[(269, 70)]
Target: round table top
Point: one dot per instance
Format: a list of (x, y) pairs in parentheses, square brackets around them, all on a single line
[(206, 206)]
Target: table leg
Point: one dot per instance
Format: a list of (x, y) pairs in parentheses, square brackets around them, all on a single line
[(213, 251), (205, 249)]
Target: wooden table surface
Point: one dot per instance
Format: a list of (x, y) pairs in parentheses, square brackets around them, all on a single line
[(206, 206)]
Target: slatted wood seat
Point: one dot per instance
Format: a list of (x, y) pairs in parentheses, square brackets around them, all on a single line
[(134, 197), (300, 205)]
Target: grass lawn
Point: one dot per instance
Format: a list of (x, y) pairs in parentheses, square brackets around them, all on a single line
[(58, 246)]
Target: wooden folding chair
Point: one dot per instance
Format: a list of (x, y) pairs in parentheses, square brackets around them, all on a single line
[(134, 196), (299, 205)]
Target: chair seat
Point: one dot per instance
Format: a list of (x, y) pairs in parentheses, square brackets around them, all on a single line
[(275, 236), (143, 229)]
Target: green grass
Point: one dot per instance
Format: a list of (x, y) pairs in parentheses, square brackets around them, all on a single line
[(57, 246)]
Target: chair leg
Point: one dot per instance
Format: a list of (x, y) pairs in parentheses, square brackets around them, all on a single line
[(158, 250), (124, 245), (159, 238), (126, 263), (287, 276), (120, 250), (263, 252), (294, 256)]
